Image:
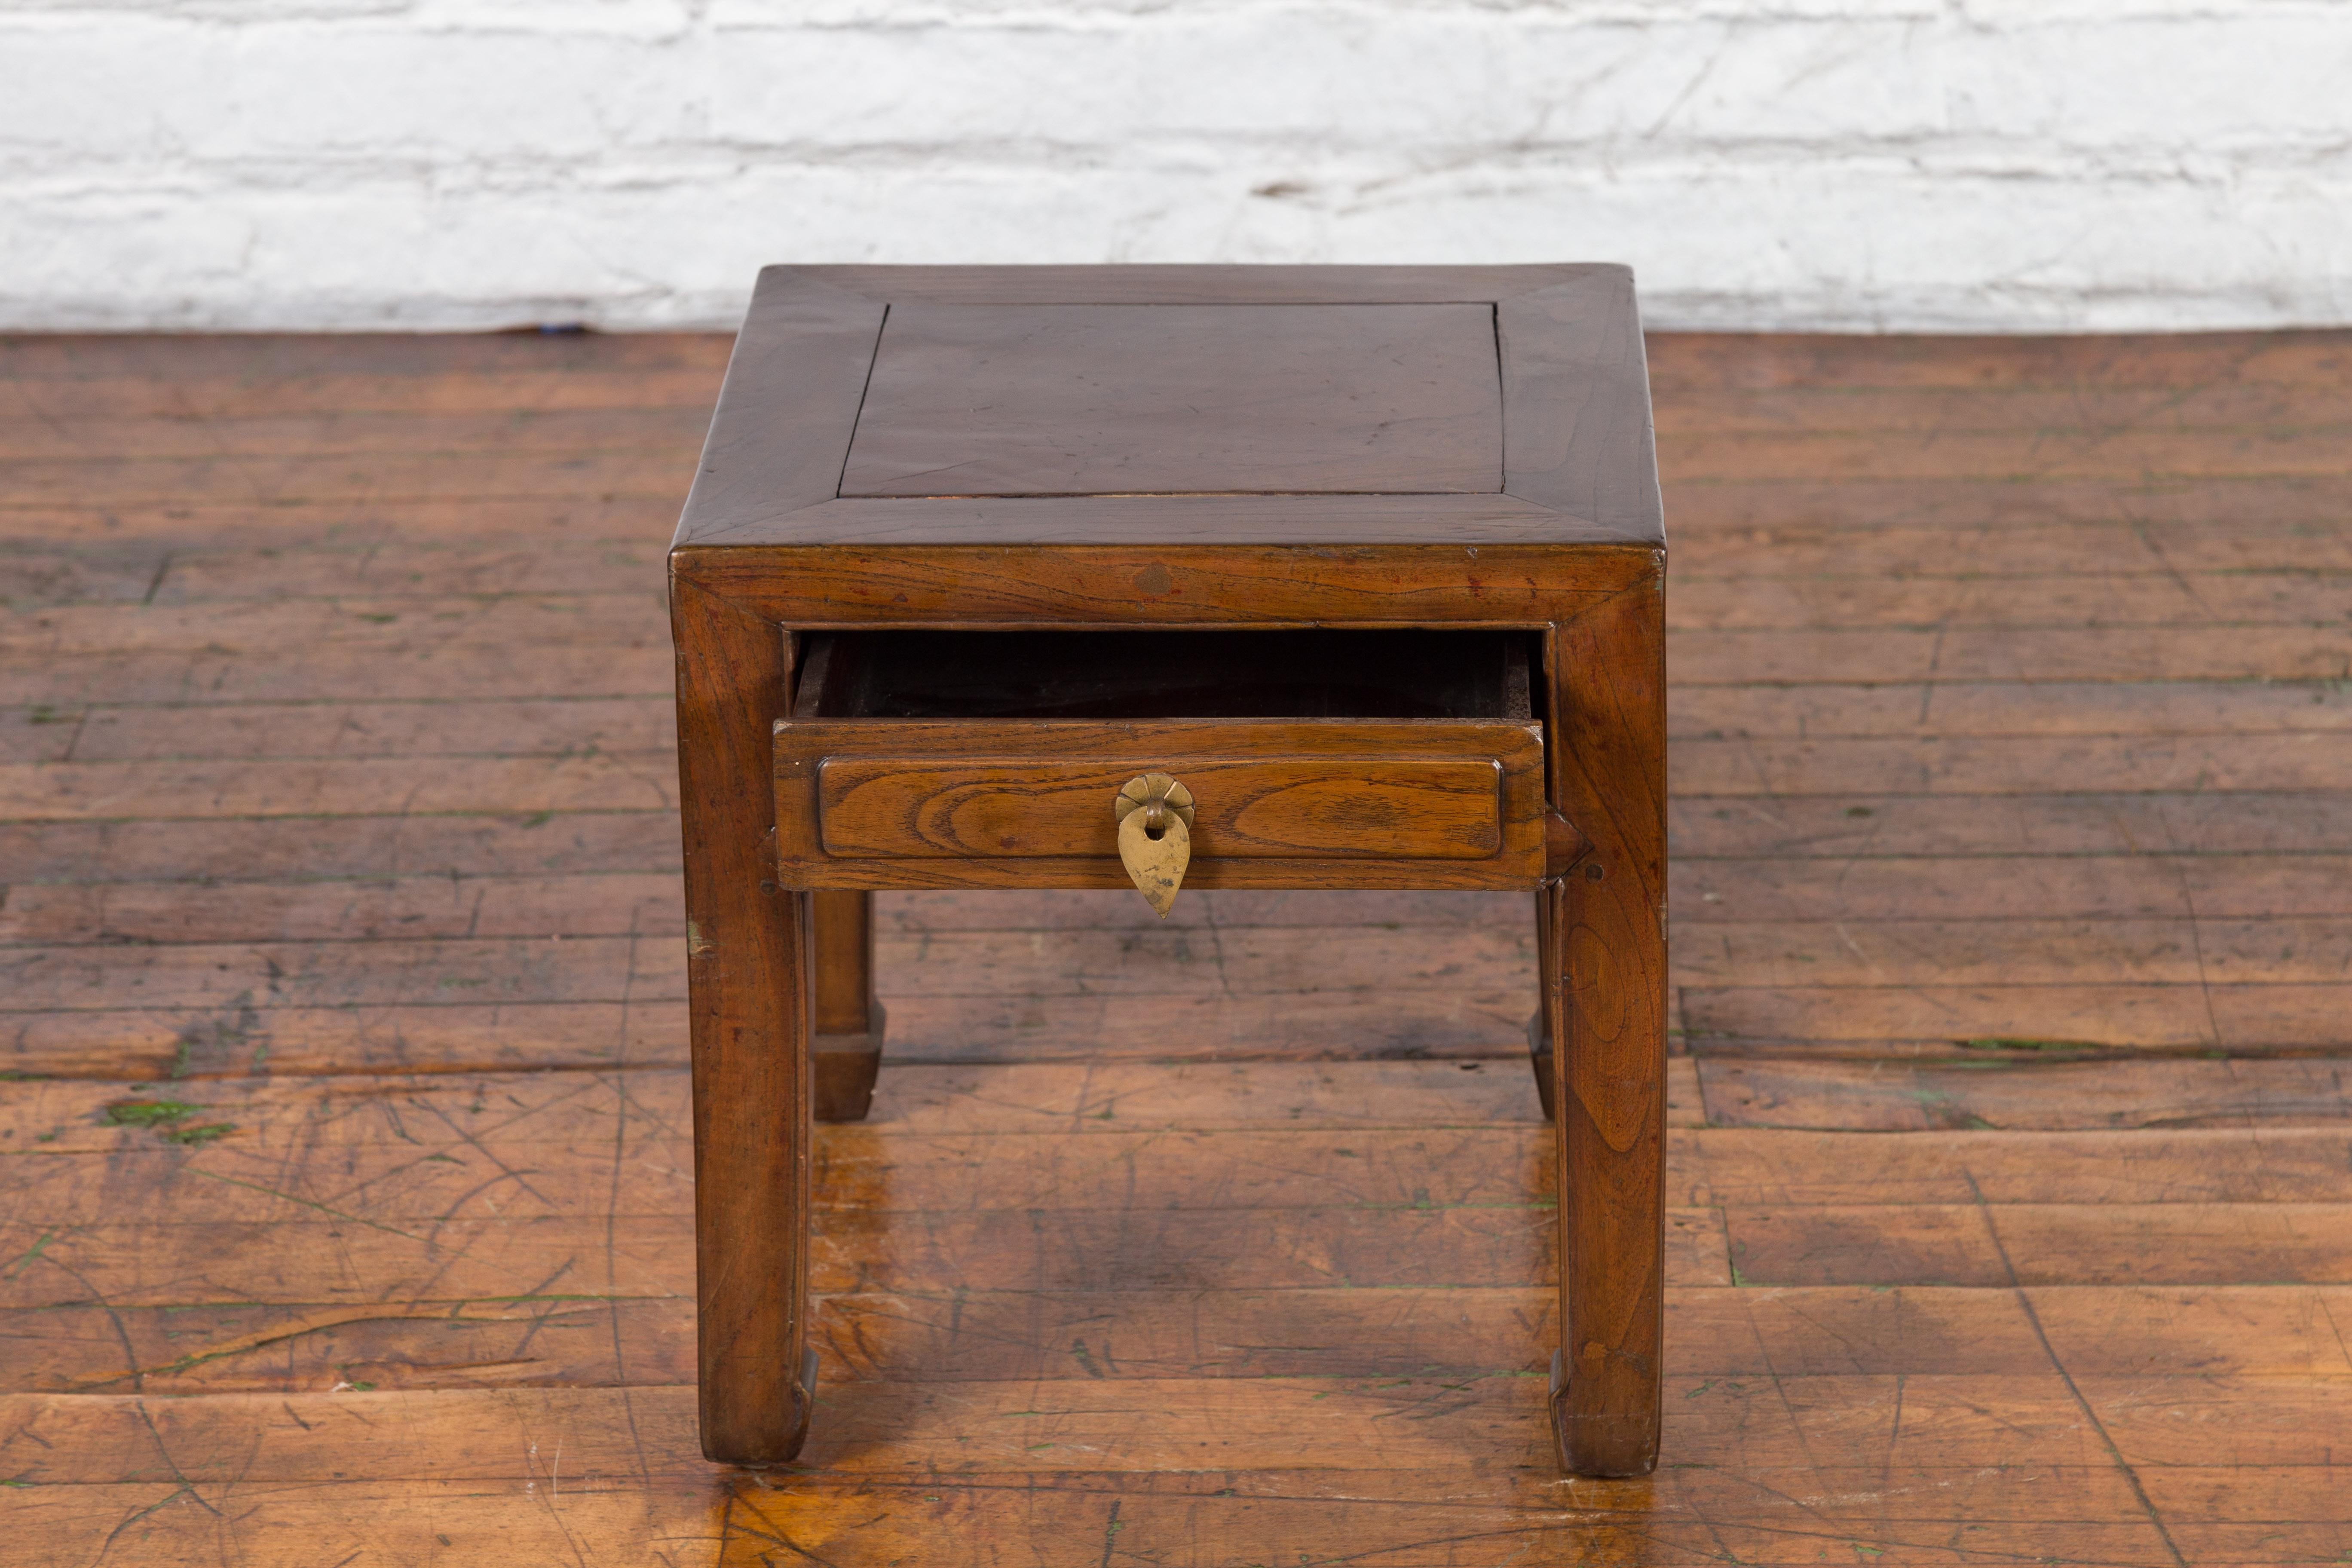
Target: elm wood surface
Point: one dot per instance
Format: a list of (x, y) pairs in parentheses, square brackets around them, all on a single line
[(309, 760), (848, 1020), (1281, 803), (993, 393), (1569, 416), (946, 746), (1400, 585), (749, 1002), (1014, 400), (1602, 963)]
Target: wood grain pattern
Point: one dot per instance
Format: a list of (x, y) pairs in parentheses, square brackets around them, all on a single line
[(848, 1021), (748, 958), (1409, 584), (1019, 401), (1604, 970), (1007, 400), (1387, 808), (355, 968), (1579, 423), (1280, 803), (784, 436)]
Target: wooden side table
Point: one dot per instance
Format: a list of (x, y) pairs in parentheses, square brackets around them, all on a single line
[(1369, 560)]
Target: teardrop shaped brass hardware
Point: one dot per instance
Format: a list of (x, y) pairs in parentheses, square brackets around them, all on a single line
[(1155, 835)]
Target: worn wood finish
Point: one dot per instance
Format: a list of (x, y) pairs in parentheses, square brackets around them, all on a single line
[(1604, 970), (1571, 425), (1407, 582), (304, 772), (981, 400), (961, 405), (1361, 804), (972, 803), (748, 963), (849, 1020)]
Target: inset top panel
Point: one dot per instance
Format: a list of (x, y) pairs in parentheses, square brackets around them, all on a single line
[(1181, 399), (1252, 406)]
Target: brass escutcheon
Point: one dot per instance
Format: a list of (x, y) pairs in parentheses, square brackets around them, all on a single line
[(1154, 813)]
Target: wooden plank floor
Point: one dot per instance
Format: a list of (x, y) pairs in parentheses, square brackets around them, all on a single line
[(345, 1140)]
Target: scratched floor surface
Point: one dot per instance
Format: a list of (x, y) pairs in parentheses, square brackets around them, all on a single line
[(343, 1156)]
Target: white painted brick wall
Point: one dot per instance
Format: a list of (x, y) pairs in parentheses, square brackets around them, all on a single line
[(1987, 165)]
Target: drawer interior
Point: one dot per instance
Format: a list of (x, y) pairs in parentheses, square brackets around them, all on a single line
[(1165, 675)]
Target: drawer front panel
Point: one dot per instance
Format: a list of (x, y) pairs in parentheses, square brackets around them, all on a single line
[(994, 803), (1380, 807)]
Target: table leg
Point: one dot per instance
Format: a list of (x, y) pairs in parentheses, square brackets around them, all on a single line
[(1540, 1026), (849, 1016), (748, 961), (1603, 958)]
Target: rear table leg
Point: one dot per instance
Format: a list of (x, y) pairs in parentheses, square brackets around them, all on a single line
[(847, 1052), (1540, 1026)]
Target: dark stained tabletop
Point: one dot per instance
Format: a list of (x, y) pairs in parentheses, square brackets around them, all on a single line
[(1011, 400), (1199, 404)]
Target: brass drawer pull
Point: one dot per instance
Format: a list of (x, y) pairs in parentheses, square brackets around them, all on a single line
[(1155, 835)]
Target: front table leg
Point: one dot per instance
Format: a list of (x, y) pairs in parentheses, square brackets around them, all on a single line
[(1604, 973), (748, 960)]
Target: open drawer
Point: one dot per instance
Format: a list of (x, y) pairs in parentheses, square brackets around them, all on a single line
[(1365, 759)]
